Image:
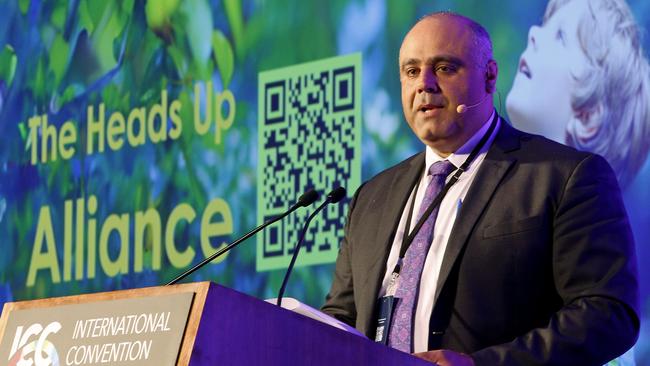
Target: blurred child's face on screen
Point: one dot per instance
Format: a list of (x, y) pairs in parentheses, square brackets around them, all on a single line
[(540, 98)]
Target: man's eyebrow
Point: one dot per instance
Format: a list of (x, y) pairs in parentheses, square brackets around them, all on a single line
[(409, 62), (446, 58), (433, 61)]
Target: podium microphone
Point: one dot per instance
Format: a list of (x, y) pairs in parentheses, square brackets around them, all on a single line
[(305, 200), (333, 197)]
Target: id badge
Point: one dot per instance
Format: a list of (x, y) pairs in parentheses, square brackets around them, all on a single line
[(385, 304)]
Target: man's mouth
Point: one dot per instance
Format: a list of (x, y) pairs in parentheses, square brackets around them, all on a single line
[(427, 107), (523, 68)]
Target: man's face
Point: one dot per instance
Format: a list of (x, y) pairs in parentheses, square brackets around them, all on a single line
[(438, 71), (540, 98)]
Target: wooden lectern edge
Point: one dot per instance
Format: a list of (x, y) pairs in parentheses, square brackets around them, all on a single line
[(193, 321), (200, 290)]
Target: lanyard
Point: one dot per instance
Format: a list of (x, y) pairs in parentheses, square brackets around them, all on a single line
[(407, 238)]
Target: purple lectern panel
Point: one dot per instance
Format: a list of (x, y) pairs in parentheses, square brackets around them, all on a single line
[(237, 329)]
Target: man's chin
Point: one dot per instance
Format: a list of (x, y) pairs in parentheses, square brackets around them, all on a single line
[(440, 145)]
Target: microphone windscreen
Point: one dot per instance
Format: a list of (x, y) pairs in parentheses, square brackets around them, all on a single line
[(462, 108), (336, 195), (308, 198)]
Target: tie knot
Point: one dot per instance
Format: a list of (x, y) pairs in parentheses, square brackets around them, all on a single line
[(441, 168)]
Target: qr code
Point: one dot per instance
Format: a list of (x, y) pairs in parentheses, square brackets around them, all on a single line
[(309, 136)]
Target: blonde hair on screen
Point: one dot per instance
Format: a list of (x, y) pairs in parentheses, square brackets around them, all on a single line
[(612, 96)]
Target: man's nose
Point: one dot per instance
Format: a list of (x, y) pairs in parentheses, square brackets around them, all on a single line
[(428, 82)]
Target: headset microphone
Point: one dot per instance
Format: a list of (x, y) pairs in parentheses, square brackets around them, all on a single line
[(462, 108)]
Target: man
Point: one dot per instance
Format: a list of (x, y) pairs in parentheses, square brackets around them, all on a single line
[(527, 260)]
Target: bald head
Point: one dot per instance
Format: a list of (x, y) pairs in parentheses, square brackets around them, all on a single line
[(481, 42)]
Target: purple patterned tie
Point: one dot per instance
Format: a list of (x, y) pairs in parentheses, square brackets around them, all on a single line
[(401, 331)]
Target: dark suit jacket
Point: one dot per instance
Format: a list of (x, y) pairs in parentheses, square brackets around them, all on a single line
[(539, 268)]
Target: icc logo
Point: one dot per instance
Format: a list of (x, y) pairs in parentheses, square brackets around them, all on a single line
[(37, 352)]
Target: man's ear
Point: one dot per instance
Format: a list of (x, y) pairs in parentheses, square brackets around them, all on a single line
[(491, 73)]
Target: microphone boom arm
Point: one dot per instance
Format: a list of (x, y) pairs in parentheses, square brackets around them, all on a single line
[(334, 196), (296, 250), (305, 200)]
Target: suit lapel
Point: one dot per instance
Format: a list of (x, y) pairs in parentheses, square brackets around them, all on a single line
[(395, 196), (496, 164)]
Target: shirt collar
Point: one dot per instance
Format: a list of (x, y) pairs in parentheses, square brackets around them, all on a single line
[(459, 156)]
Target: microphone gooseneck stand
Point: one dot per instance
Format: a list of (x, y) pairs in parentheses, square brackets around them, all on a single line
[(334, 196), (305, 200)]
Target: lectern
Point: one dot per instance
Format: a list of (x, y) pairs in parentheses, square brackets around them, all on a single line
[(189, 324)]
